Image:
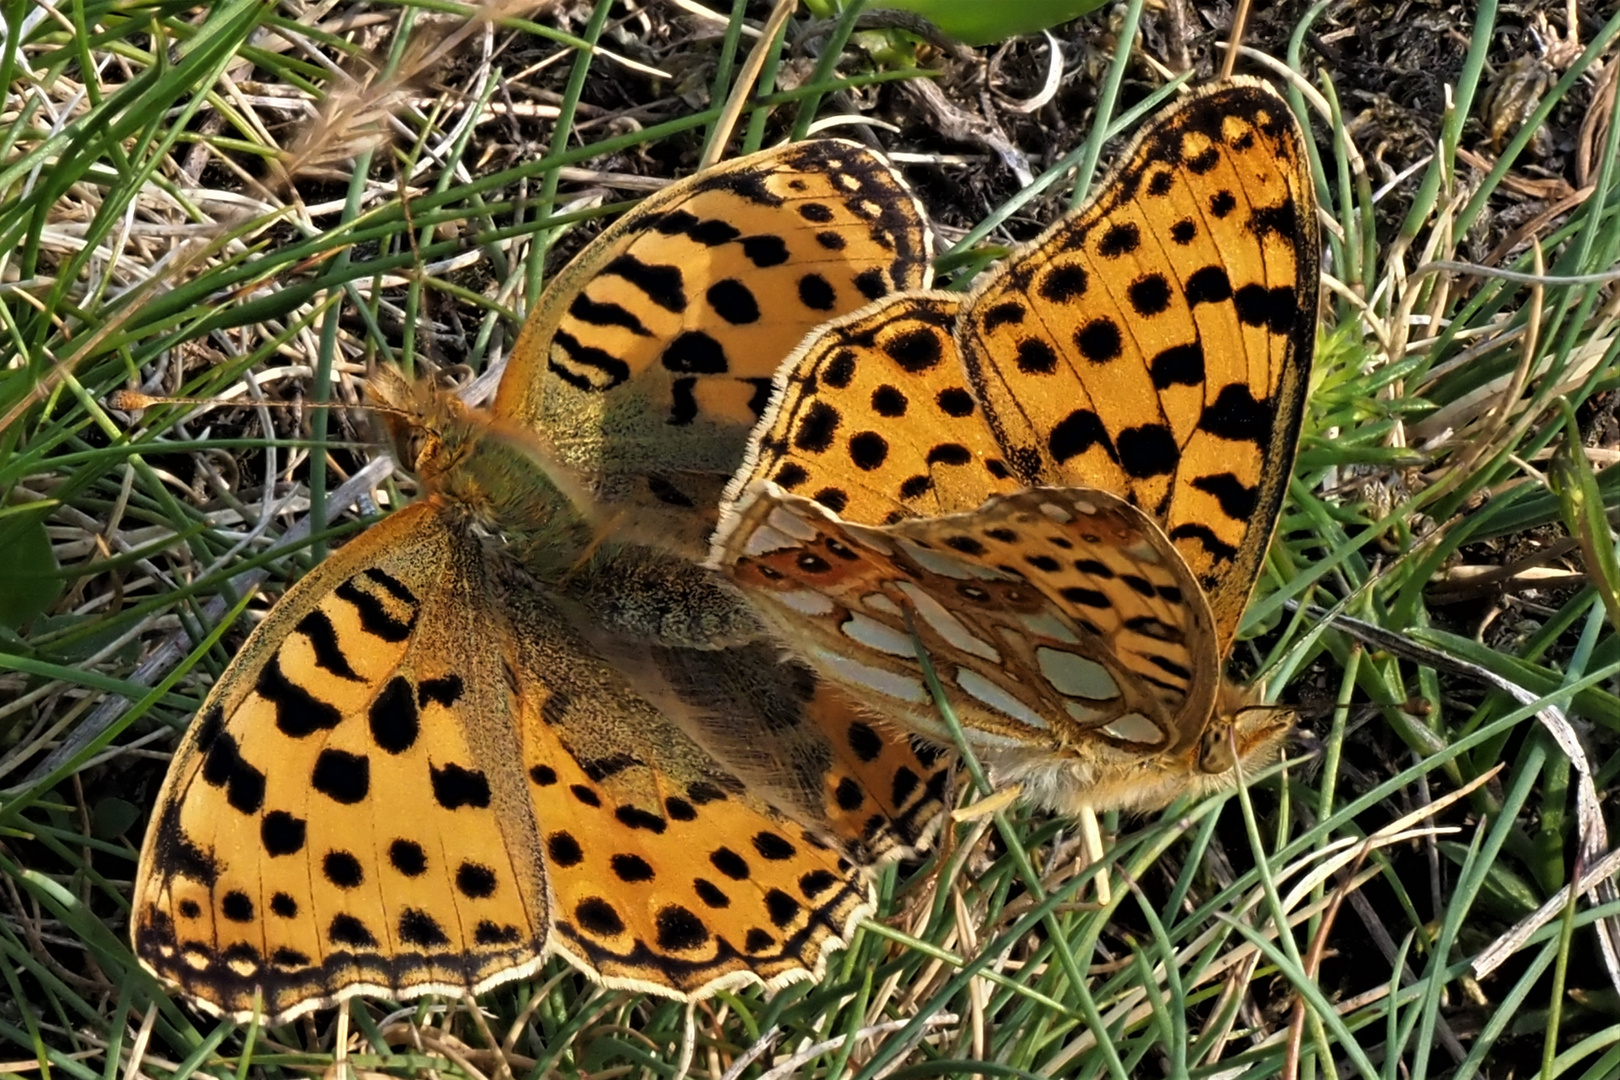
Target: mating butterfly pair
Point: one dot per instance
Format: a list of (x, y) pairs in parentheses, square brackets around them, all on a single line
[(442, 758)]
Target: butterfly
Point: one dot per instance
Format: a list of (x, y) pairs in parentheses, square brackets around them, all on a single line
[(481, 734), (1064, 482)]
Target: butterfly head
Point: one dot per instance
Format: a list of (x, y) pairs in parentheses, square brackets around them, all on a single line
[(1100, 776), (1242, 730), (430, 430)]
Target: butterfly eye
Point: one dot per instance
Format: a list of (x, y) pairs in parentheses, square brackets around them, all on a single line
[(1215, 750), (418, 445)]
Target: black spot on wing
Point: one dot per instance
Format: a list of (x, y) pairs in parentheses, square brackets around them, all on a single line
[(1218, 549), (1148, 450), (1061, 285), (444, 691), (1077, 433), (223, 766), (915, 350), (679, 930), (455, 787), (1035, 356), (612, 370), (591, 313), (864, 740), (417, 927), (733, 301), (1119, 239), (817, 293), (1150, 295), (376, 616), (695, 353), (475, 881), (281, 833), (318, 630), (564, 850), (764, 251), (341, 776), (1236, 415), (663, 285), (729, 863), (598, 917), (342, 869), (408, 857), (599, 769), (298, 712), (393, 717), (1208, 285), (179, 854), (1178, 365), (1099, 340), (814, 431), (1237, 500), (1276, 308)]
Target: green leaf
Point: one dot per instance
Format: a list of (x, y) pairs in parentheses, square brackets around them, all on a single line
[(1581, 501), (29, 582), (983, 22)]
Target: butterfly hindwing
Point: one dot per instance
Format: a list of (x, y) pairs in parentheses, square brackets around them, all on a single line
[(668, 874), (1024, 607)]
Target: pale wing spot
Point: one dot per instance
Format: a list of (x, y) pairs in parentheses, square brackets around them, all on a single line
[(951, 565), (854, 673), (805, 602), (1085, 714), (998, 699), (1136, 728), (786, 521), (765, 540), (871, 539), (1145, 552), (874, 635), (1081, 505), (946, 625), (1075, 676), (881, 604), (1047, 625), (1060, 514)]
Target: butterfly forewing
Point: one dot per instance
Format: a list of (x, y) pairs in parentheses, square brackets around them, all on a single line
[(334, 822), (649, 359), (1157, 343)]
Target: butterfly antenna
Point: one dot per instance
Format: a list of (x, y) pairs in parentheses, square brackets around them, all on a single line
[(135, 401)]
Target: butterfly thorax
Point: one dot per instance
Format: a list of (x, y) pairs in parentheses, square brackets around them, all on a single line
[(494, 474)]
